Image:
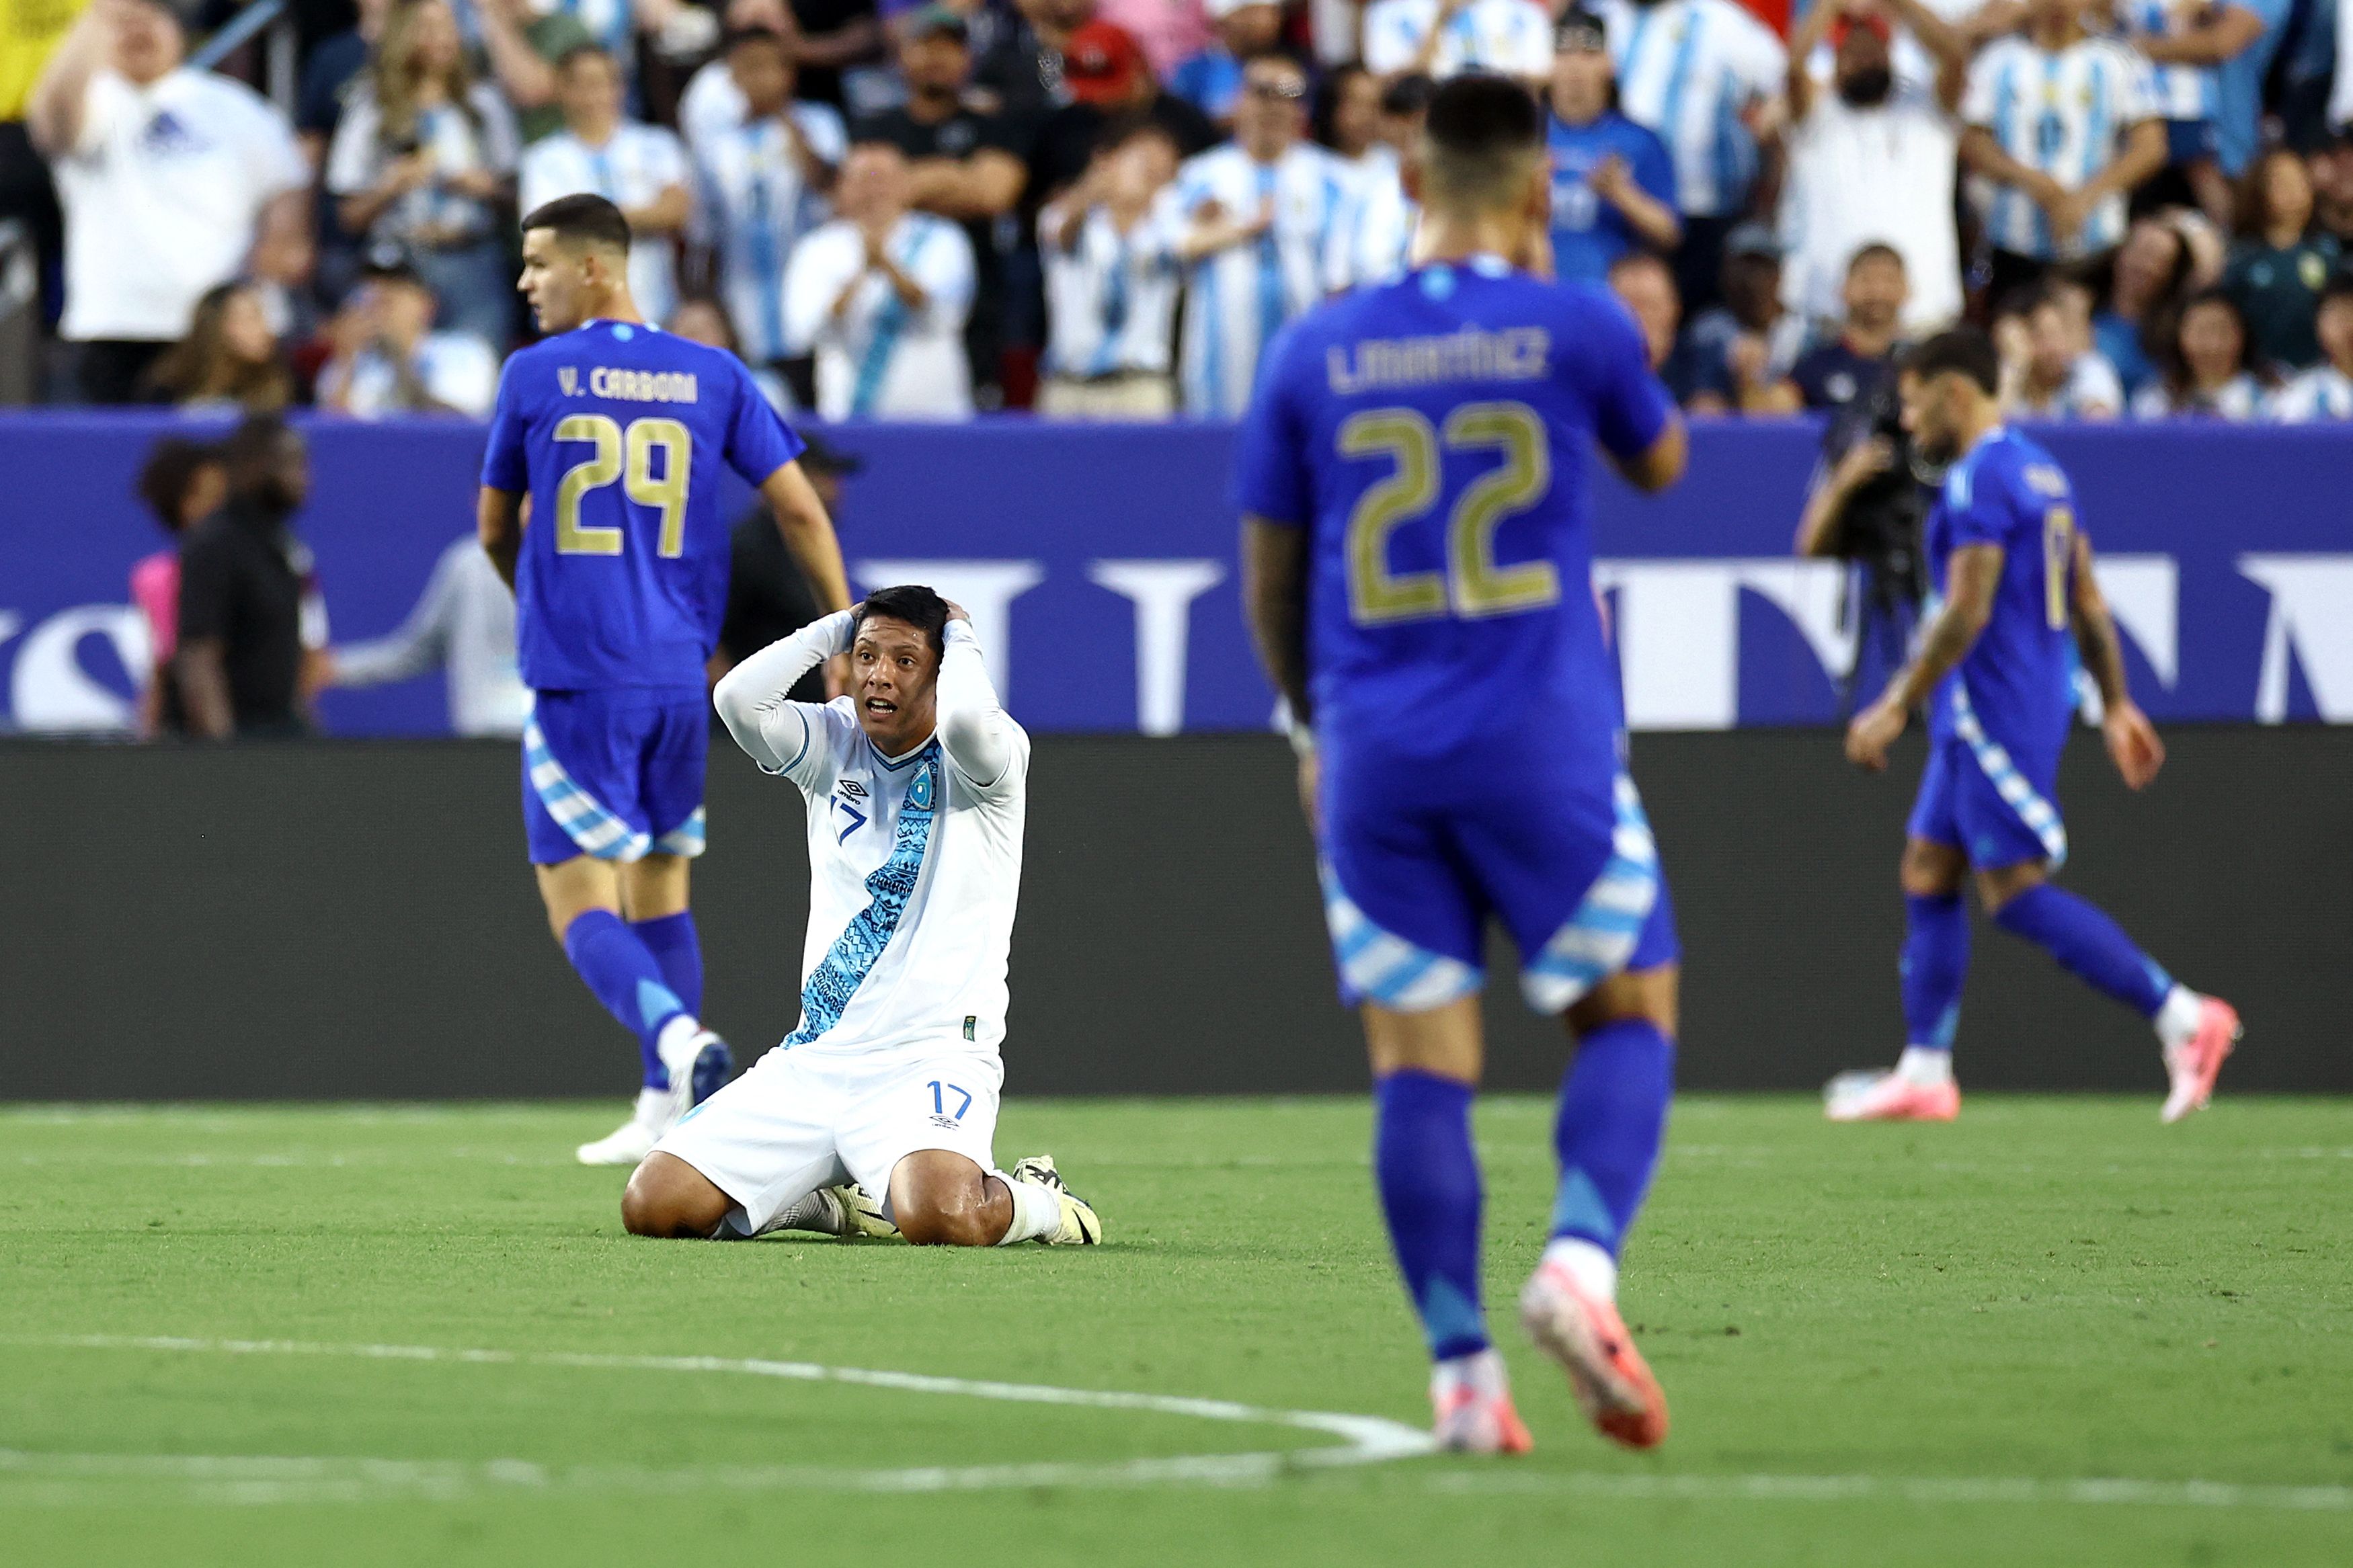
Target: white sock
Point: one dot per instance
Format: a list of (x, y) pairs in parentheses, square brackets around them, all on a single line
[(1595, 1271), (1482, 1372), (819, 1211), (2177, 1016), (1925, 1066), (1037, 1211), (675, 1046)]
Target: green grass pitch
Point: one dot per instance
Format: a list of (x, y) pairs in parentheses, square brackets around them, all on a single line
[(2019, 1339)]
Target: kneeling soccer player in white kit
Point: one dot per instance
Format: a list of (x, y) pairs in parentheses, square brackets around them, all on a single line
[(916, 784)]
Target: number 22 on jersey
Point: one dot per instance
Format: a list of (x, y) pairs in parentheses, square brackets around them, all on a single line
[(1471, 586), (627, 455)]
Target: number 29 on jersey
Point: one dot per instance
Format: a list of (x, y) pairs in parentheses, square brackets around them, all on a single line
[(628, 455)]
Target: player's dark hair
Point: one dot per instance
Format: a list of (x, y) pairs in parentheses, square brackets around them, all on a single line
[(164, 478), (1963, 351), (1877, 250), (1482, 133), (582, 219), (913, 602)]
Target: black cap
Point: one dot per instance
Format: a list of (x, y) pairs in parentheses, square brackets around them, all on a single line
[(820, 456), (390, 262), (932, 21), (1579, 32)]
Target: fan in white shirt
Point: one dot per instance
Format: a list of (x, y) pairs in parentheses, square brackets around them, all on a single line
[(1440, 38), (399, 365), (2062, 125), (2326, 391), (880, 296), (163, 172), (2207, 372), (1696, 72), (642, 169), (2048, 370), (1111, 286), (1254, 222), (764, 163), (915, 784), (1871, 161)]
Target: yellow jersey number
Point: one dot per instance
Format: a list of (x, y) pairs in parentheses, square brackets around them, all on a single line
[(2058, 560), (1472, 586), (627, 455)]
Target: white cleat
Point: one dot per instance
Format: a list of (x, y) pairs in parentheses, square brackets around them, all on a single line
[(2190, 1067), (629, 1143), (698, 1062), (1081, 1226)]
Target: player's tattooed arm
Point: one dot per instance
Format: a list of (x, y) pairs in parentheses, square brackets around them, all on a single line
[(1274, 598), (497, 518), (2131, 739), (1972, 578)]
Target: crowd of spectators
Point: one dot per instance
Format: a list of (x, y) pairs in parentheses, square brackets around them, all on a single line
[(1104, 208)]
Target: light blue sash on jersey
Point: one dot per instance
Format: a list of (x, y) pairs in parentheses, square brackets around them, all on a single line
[(859, 946), (1993, 759)]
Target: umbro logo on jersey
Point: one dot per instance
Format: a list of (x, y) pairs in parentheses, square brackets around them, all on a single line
[(853, 788), (568, 378)]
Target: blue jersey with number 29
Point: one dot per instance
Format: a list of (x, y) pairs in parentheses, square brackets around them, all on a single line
[(2018, 677), (1434, 437), (617, 431)]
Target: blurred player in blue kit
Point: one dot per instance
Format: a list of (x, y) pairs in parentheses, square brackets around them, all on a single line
[(2012, 569), (1417, 565), (614, 431)]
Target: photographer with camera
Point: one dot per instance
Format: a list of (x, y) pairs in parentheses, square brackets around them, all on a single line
[(1866, 509)]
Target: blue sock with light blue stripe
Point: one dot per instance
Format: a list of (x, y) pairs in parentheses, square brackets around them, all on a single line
[(1428, 1181), (677, 948), (2087, 944), (1935, 964), (625, 977), (1613, 1116)]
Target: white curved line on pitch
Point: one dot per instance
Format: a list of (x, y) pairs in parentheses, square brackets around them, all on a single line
[(1366, 1439)]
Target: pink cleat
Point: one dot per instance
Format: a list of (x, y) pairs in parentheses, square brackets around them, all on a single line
[(1888, 1096), (1612, 1383), (2193, 1065), (1474, 1408)]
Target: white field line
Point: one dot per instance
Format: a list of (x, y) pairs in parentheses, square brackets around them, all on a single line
[(1899, 1488), (1366, 1439), (36, 1478)]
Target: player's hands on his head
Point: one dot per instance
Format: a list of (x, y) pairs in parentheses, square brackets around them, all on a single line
[(2133, 744), (1874, 730), (958, 613)]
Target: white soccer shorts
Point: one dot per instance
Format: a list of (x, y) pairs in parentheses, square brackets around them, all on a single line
[(804, 1119)]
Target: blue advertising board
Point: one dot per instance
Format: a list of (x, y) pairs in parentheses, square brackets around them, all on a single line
[(1100, 565)]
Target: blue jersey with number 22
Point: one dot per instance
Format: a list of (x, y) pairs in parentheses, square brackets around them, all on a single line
[(1432, 436), (617, 431)]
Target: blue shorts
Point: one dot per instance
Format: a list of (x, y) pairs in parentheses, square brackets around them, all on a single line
[(614, 773), (1978, 799), (1413, 873)]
